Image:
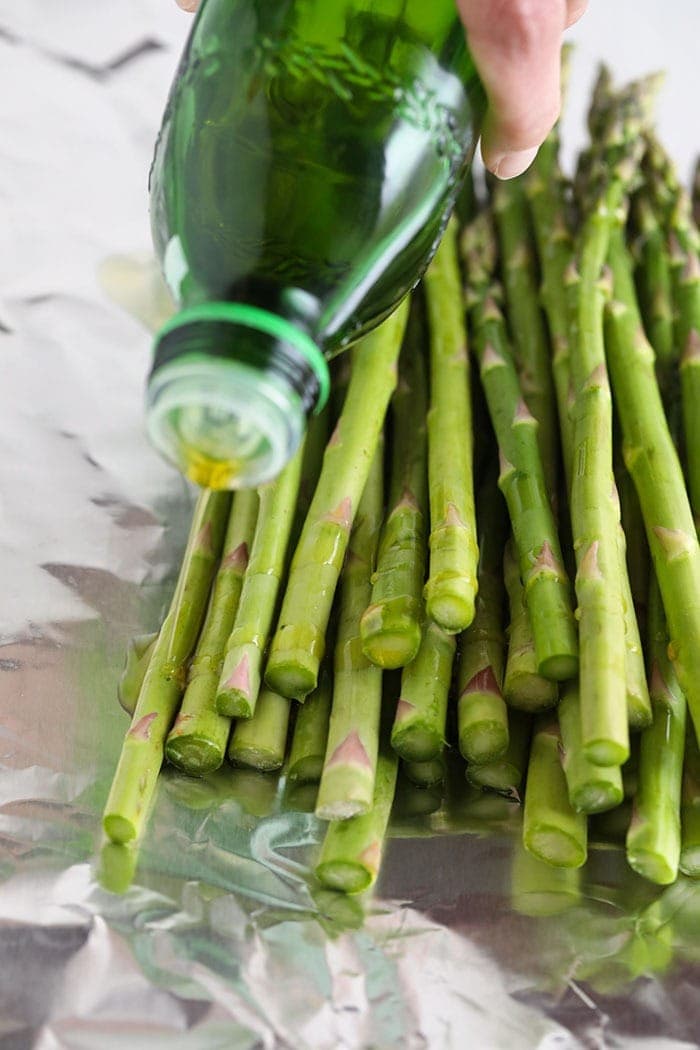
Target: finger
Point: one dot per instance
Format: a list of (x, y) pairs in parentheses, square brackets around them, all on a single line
[(574, 10), (516, 46), (188, 5)]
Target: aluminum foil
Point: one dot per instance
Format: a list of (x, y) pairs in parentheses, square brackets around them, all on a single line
[(214, 934)]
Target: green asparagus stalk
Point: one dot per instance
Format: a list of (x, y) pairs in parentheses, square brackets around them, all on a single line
[(310, 735), (552, 829), (638, 703), (527, 323), (546, 189), (314, 447), (653, 463), (451, 587), (523, 687), (690, 809), (138, 657), (636, 546), (299, 642), (482, 717), (241, 674), (391, 625), (352, 849), (347, 780), (418, 733), (654, 279), (594, 511), (591, 788), (141, 757), (687, 302), (260, 742), (547, 592), (654, 836), (197, 742), (505, 774)]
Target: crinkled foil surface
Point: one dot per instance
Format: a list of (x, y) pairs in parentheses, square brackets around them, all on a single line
[(221, 941)]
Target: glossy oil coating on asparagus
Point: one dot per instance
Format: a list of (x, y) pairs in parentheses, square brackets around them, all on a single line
[(391, 624), (451, 587), (197, 742), (298, 645), (142, 752)]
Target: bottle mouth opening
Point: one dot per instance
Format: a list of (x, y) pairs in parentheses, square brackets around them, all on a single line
[(227, 402)]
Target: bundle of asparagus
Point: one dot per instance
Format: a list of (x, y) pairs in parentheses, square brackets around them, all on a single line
[(337, 643)]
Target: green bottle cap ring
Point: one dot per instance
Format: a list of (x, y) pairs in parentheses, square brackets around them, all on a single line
[(270, 324)]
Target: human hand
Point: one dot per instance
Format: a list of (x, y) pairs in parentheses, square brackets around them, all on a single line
[(516, 46)]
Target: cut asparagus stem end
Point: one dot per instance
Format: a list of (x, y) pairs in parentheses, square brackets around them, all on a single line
[(652, 866), (596, 798), (554, 846), (483, 741), (606, 753), (450, 603), (498, 776), (344, 876), (294, 674), (390, 645), (194, 754), (415, 744), (118, 829), (559, 668)]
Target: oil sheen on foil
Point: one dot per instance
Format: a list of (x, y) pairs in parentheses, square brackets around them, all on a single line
[(214, 935)]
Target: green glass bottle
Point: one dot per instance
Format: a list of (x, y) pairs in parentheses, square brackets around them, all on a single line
[(310, 155)]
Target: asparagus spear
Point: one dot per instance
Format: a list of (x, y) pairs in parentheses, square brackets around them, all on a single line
[(527, 324), (653, 463), (654, 278), (451, 587), (310, 735), (482, 717), (523, 687), (260, 742), (299, 642), (142, 751), (347, 780), (197, 742), (552, 830), (595, 514), (138, 656), (695, 193), (690, 809), (654, 836), (505, 774), (546, 189), (547, 592), (391, 625), (418, 732), (352, 849), (560, 279), (591, 788), (241, 673), (687, 302)]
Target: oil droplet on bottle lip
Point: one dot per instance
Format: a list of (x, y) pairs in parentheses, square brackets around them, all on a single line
[(211, 473)]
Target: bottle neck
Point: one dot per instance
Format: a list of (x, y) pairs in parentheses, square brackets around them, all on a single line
[(230, 391)]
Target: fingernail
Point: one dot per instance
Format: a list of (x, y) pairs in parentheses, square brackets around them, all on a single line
[(508, 165)]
